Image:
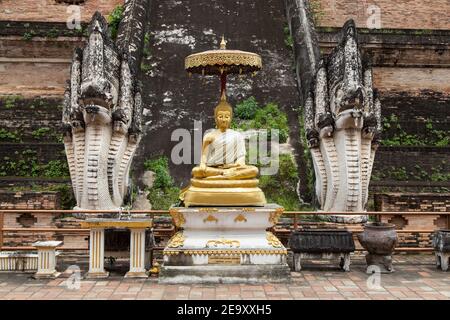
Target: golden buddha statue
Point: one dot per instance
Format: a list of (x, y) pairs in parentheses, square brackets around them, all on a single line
[(223, 178)]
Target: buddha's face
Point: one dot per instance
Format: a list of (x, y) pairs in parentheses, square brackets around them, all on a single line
[(223, 120)]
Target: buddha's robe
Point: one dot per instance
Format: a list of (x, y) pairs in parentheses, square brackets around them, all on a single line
[(226, 149)]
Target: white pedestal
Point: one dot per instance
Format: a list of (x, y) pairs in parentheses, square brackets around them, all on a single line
[(137, 254), (46, 259), (229, 245)]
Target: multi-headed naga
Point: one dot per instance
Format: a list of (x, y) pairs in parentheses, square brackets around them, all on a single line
[(102, 120), (342, 120)]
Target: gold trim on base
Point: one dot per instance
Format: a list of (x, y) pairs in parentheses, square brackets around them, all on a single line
[(234, 251), (224, 197), (205, 183)]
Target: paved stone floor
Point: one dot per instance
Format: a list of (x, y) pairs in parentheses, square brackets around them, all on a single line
[(416, 277)]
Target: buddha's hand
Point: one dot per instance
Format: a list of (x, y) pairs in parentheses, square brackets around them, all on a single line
[(202, 167), (231, 165)]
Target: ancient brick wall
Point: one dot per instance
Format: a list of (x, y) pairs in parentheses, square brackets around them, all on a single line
[(414, 161), (418, 202), (51, 10), (401, 14), (409, 14), (22, 200), (412, 80), (415, 202), (35, 67), (32, 200)]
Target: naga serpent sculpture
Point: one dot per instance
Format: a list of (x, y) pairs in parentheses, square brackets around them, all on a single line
[(342, 114), (342, 121), (101, 120)]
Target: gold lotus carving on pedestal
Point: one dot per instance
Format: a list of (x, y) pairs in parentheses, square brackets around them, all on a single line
[(273, 240), (224, 242), (177, 240)]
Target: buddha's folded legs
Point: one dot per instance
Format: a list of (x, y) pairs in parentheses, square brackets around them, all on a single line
[(199, 173), (217, 173)]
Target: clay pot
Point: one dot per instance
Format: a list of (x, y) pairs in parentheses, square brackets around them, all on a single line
[(379, 239)]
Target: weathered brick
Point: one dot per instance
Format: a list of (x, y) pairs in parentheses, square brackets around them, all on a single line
[(402, 14), (51, 11)]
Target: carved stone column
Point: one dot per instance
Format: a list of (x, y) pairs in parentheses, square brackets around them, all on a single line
[(137, 254), (97, 254)]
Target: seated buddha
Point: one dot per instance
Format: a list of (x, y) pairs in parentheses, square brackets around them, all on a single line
[(223, 178)]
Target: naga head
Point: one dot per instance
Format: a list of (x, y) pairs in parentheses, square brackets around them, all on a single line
[(345, 80), (99, 89), (342, 95)]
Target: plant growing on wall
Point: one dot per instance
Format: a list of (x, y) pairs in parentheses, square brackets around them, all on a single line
[(288, 39), (114, 20), (316, 11), (249, 115), (11, 136), (431, 136), (146, 54), (246, 109), (281, 188), (163, 193)]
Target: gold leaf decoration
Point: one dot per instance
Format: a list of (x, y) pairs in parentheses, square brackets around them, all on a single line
[(177, 240), (225, 242), (234, 251), (208, 210), (273, 240), (178, 218), (275, 215), (240, 218), (210, 218)]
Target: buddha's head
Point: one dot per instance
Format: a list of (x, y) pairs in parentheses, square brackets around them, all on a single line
[(223, 114)]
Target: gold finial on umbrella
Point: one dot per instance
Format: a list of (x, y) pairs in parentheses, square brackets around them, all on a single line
[(223, 43)]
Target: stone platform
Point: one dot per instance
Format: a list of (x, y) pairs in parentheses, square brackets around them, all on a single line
[(416, 277), (224, 274), (225, 245)]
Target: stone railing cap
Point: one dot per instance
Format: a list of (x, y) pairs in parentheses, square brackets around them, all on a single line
[(48, 244)]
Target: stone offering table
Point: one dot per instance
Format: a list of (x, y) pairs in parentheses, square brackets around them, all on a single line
[(225, 245), (322, 244), (137, 229)]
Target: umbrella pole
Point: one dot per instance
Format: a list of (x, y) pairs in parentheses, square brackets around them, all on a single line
[(223, 85)]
